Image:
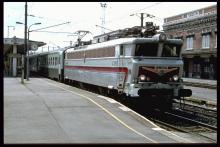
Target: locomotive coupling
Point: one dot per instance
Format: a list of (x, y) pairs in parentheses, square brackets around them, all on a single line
[(155, 92), (185, 92), (159, 92)]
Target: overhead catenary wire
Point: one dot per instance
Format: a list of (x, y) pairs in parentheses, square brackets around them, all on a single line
[(46, 18), (127, 14), (53, 32), (50, 26), (52, 19), (146, 7)]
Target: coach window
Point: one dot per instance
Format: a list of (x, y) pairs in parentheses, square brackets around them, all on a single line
[(44, 60)]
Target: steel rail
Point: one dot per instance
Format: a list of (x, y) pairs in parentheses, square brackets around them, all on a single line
[(194, 121), (197, 109), (162, 124)]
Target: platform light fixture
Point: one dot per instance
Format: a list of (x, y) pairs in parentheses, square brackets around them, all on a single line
[(27, 65)]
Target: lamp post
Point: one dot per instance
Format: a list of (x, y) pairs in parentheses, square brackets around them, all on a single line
[(27, 55), (27, 74)]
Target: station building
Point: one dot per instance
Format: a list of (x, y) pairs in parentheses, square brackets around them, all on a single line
[(13, 48), (198, 30)]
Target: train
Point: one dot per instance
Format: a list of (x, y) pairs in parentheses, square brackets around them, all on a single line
[(133, 66)]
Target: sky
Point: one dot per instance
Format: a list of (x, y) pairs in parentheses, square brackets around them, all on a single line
[(85, 16)]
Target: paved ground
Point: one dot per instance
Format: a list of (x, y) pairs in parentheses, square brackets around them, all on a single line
[(203, 93), (204, 83), (202, 89), (44, 111)]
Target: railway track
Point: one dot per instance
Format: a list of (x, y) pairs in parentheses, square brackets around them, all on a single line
[(197, 109), (201, 114), (172, 121), (196, 120)]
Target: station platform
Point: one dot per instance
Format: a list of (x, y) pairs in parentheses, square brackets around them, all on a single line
[(203, 83), (45, 111), (203, 91)]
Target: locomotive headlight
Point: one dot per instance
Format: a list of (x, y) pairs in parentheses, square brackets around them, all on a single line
[(162, 37), (142, 77), (175, 78)]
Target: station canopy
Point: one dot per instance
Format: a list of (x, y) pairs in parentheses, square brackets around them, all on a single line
[(9, 42)]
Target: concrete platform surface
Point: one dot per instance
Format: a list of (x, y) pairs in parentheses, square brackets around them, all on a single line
[(203, 83), (45, 111), (205, 94)]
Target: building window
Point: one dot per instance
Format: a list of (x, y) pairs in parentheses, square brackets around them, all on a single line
[(205, 40), (206, 69), (189, 42), (196, 70)]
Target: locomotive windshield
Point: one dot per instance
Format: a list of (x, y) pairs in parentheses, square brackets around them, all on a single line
[(151, 50), (148, 49), (171, 50)]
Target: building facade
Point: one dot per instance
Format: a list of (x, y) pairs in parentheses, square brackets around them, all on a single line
[(198, 30)]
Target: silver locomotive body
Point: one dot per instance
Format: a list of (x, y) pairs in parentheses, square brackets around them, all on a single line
[(134, 66)]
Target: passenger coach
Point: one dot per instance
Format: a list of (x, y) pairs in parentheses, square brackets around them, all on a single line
[(48, 64)]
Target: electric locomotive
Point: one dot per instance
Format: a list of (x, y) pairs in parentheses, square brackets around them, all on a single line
[(131, 65), (136, 62)]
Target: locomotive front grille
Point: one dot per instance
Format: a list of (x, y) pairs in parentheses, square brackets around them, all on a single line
[(158, 74)]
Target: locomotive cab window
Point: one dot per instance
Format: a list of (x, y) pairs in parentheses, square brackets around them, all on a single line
[(121, 50), (171, 50), (147, 49)]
